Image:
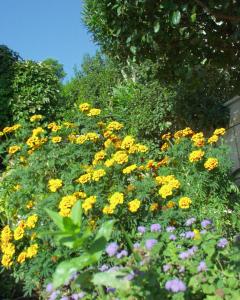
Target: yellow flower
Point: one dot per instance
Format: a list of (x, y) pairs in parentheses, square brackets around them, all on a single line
[(54, 127), (66, 204), (120, 157), (72, 138), (84, 106), (197, 235), (134, 205), (13, 149), (80, 194), (56, 139), (18, 233), (114, 125), (169, 180), (92, 136), (196, 155), (220, 131), (127, 142), (6, 234), (109, 162), (36, 118), (187, 131), (141, 148), (31, 221), (178, 134), (108, 210), (108, 143), (99, 155), (96, 175), (166, 136), (198, 139), (37, 131), (30, 204), (211, 163), (17, 187), (129, 169), (94, 112), (154, 206), (213, 139), (116, 198), (54, 184), (8, 249), (164, 147), (22, 257), (6, 261), (84, 178), (170, 204), (184, 202), (81, 139), (32, 251), (165, 191), (88, 203)]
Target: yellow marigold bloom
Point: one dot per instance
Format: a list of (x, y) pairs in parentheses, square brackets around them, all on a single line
[(13, 149), (8, 249), (17, 187), (127, 142), (37, 131), (184, 202), (97, 174), (6, 234), (81, 139), (197, 235), (16, 126), (92, 136), (30, 204), (54, 127), (100, 155), (166, 136), (114, 125), (80, 194), (56, 139), (22, 257), (107, 134), (72, 138), (120, 157), (8, 129), (84, 178), (170, 204), (220, 131), (32, 251), (54, 184), (213, 139), (107, 143), (84, 106), (165, 191), (133, 149), (116, 198), (134, 205), (31, 221), (129, 169), (211, 163), (108, 210), (22, 159), (66, 204), (154, 206), (178, 134), (69, 124), (22, 224), (109, 162), (164, 147), (94, 112), (1, 133), (36, 118), (141, 148), (198, 139), (18, 233), (169, 180), (88, 203), (187, 131), (6, 261), (196, 155)]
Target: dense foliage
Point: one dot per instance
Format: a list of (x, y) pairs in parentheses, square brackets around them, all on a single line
[(92, 160)]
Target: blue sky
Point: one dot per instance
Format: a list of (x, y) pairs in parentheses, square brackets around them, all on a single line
[(39, 29)]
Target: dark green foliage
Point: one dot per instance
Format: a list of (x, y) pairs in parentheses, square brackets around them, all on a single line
[(56, 67), (8, 59)]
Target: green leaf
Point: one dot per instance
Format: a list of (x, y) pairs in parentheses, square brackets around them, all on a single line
[(193, 17), (133, 49), (176, 17), (156, 27), (105, 230), (113, 279), (57, 219), (76, 214)]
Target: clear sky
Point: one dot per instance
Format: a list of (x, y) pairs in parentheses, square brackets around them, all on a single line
[(39, 29)]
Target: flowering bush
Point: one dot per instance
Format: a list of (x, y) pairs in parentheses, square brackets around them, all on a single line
[(94, 160)]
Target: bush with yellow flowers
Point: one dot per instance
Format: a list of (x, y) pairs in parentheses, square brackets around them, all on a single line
[(93, 159)]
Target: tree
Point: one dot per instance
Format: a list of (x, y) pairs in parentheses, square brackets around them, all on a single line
[(8, 58), (56, 67), (176, 34)]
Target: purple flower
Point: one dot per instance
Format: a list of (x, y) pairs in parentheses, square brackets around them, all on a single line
[(112, 249), (110, 290), (190, 221), (203, 231), (170, 228), (64, 298), (166, 267), (150, 243), (141, 229), (172, 237), (222, 243), (136, 246), (122, 254), (191, 251), (205, 223), (189, 235), (49, 288), (175, 285), (77, 296), (184, 255), (155, 228), (202, 266), (130, 276), (103, 268), (54, 295)]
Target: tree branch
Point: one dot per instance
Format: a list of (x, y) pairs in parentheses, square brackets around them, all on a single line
[(215, 14)]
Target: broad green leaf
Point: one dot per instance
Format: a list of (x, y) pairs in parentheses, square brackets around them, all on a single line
[(76, 214), (176, 17), (156, 27), (57, 219), (193, 17), (133, 49), (113, 279), (105, 230)]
